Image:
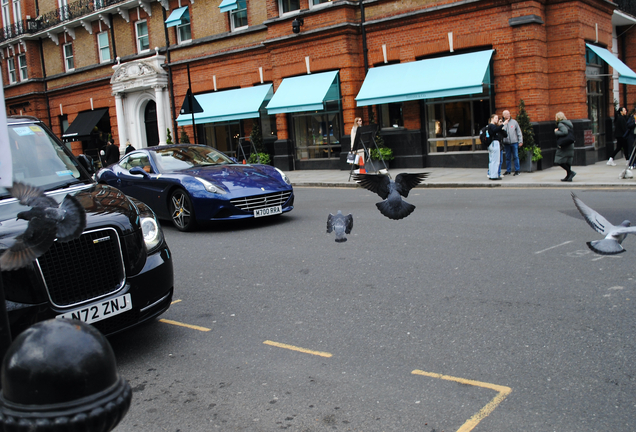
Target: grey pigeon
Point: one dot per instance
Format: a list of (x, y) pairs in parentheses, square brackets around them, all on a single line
[(48, 220), (393, 206), (614, 235), (341, 224)]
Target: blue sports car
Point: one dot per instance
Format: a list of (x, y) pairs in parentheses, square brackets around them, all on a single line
[(189, 183)]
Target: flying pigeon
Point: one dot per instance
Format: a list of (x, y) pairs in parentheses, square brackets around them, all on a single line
[(614, 235), (47, 220), (393, 206), (341, 224)]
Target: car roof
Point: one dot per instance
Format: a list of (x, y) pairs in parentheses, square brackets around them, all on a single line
[(15, 119), (169, 146)]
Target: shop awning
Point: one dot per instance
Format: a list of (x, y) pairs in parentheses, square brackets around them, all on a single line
[(229, 105), (175, 17), (454, 75), (305, 93), (625, 74), (228, 5), (84, 123)]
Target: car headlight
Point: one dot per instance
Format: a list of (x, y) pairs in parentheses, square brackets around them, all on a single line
[(153, 235), (210, 187), (284, 176)]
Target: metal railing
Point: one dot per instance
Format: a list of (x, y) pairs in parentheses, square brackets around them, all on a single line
[(50, 19)]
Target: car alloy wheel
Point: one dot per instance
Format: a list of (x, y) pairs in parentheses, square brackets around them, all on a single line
[(181, 211)]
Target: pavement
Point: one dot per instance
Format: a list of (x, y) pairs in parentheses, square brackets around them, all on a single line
[(597, 175)]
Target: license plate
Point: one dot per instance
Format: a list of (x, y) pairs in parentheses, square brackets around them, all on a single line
[(268, 211), (100, 311)]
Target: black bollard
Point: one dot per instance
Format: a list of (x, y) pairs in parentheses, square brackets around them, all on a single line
[(60, 375)]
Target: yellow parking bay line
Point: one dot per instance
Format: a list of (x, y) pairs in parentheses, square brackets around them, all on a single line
[(294, 348), (190, 326), (502, 392), (176, 301)]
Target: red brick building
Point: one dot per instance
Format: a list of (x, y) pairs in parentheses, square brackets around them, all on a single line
[(427, 72)]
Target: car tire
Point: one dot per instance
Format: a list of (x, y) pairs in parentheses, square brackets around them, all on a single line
[(182, 211)]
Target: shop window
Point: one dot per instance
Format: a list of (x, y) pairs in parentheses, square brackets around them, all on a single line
[(391, 115), (104, 47), (317, 136), (268, 124), (285, 6), (11, 70), (143, 43), (454, 125), (69, 62), (596, 72), (63, 123), (224, 137), (22, 62), (238, 16), (184, 33)]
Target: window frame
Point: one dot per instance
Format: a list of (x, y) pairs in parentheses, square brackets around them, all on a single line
[(281, 7), (233, 16), (101, 48), (24, 72), (322, 3), (182, 25), (138, 37), (68, 59), (11, 72)]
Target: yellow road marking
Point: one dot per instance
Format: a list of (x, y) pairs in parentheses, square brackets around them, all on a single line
[(503, 392), (176, 301), (194, 327), (294, 348)]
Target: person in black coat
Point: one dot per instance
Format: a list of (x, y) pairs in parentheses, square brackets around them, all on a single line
[(620, 133), (110, 153), (496, 132)]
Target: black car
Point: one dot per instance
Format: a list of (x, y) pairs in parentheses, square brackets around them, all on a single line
[(116, 275)]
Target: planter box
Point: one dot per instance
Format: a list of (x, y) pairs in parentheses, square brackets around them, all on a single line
[(375, 166), (527, 165)]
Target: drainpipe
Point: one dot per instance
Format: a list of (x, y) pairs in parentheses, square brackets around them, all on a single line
[(112, 35), (46, 87), (170, 83), (623, 57), (365, 50)]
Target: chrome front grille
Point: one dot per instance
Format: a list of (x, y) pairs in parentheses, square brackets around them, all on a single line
[(251, 203), (85, 269)]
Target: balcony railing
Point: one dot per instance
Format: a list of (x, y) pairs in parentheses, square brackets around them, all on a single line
[(69, 12), (628, 6)]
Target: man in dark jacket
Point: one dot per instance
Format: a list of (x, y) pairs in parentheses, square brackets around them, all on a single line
[(111, 153), (620, 133)]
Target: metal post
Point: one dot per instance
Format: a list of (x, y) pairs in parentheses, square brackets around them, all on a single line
[(191, 102)]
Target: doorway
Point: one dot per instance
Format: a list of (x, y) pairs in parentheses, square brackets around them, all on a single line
[(150, 121)]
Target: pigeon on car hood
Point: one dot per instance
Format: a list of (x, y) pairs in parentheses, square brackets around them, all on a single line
[(341, 224), (614, 235), (48, 220), (393, 206)]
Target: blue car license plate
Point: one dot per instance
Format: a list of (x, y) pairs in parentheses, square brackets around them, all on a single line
[(268, 211)]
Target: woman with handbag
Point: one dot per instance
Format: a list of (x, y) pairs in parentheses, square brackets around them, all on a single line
[(356, 155), (565, 145)]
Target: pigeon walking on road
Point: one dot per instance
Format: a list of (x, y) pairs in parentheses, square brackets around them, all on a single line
[(392, 192), (341, 224), (614, 235), (48, 220)]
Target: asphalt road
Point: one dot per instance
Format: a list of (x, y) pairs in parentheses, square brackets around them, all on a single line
[(482, 311)]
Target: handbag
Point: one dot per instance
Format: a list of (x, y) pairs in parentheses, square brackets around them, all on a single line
[(566, 140), (351, 158)]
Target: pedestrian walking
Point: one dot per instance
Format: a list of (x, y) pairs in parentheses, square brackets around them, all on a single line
[(565, 145), (620, 133), (495, 130), (512, 142), (129, 147), (110, 153)]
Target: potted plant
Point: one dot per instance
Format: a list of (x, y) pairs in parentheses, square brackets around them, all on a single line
[(379, 154), (530, 152)]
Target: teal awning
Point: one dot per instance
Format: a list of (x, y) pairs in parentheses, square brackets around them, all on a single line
[(228, 5), (625, 74), (454, 75), (175, 17), (305, 93), (229, 105)]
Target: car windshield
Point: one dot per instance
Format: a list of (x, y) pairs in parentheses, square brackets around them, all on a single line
[(181, 158), (40, 160)]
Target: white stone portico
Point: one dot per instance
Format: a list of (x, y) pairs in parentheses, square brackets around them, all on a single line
[(134, 84)]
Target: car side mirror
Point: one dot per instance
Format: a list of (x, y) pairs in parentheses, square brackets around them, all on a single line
[(139, 170), (234, 160), (87, 162)]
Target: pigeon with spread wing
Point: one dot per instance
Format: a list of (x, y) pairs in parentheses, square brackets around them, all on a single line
[(614, 235), (48, 220), (393, 206), (341, 224)]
